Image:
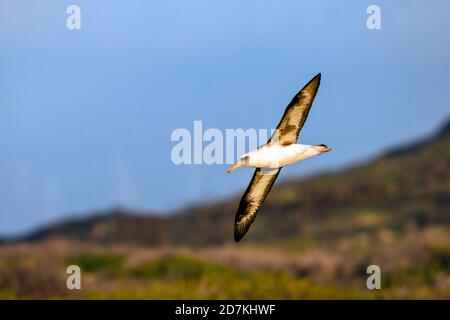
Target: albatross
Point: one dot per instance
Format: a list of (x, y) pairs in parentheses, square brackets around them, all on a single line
[(281, 150)]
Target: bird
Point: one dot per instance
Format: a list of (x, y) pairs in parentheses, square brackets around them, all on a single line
[(279, 151)]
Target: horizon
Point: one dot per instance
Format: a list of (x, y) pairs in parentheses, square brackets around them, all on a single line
[(83, 111), (121, 210)]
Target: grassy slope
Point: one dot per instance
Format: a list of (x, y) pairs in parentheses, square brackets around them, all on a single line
[(408, 186), (393, 212)]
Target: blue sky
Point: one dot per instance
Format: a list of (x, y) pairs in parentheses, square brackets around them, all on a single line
[(86, 115)]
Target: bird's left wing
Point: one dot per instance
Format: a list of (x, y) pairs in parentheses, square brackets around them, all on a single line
[(295, 115), (253, 199)]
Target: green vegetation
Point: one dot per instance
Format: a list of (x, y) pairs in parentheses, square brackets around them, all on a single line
[(181, 277), (179, 267), (313, 239), (414, 264), (94, 262)]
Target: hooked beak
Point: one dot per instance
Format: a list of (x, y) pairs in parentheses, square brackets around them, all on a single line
[(234, 166)]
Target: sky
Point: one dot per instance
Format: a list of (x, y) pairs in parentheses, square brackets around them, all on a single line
[(86, 115)]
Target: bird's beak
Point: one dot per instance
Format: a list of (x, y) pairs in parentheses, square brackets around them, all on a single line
[(234, 166)]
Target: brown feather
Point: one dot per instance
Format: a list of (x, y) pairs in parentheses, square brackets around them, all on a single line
[(295, 115), (253, 199)]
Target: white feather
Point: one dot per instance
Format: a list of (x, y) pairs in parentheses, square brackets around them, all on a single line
[(276, 156)]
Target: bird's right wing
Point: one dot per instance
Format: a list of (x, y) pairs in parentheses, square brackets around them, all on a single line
[(253, 199), (295, 115)]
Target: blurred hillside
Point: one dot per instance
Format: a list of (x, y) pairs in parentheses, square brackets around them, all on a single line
[(313, 240), (407, 186)]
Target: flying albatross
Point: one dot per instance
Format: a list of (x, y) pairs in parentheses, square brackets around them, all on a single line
[(281, 150)]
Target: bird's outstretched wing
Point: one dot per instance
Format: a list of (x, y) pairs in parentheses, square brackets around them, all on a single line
[(253, 199), (295, 114)]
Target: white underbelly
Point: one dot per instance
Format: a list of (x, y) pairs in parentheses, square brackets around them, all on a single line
[(277, 156)]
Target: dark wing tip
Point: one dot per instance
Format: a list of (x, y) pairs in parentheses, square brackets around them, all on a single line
[(240, 229), (242, 225), (316, 78), (312, 86)]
